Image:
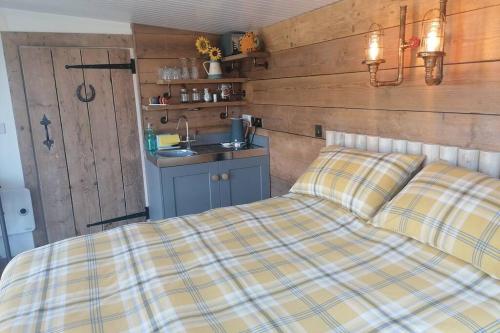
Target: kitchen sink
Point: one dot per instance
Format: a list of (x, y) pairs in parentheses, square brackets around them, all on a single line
[(176, 153)]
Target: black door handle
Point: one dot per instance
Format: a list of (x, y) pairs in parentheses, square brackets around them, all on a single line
[(48, 141)]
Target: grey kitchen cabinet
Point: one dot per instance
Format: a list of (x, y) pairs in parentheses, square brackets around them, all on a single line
[(195, 188), (244, 180)]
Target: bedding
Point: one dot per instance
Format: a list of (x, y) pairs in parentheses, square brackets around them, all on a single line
[(295, 263), (360, 181), (450, 208)]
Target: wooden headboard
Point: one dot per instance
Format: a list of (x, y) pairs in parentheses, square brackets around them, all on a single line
[(477, 160)]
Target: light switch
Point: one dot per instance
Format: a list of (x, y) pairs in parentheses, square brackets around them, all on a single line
[(2, 128)]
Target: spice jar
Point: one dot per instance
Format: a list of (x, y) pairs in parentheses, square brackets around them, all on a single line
[(195, 96), (207, 96), (184, 96)]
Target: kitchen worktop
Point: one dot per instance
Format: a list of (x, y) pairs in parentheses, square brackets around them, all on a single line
[(207, 153)]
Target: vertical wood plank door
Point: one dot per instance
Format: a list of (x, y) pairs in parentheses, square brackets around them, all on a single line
[(77, 139), (93, 170), (51, 162)]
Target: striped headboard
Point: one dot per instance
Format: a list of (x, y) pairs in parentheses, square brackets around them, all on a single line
[(477, 160)]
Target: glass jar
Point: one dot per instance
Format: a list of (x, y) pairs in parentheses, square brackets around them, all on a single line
[(207, 96), (184, 96), (195, 96)]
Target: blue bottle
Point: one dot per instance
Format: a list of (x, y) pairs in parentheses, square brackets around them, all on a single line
[(150, 139)]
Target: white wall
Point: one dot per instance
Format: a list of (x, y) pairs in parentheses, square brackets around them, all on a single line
[(18, 20)]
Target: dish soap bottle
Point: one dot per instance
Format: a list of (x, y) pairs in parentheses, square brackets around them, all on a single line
[(150, 138)]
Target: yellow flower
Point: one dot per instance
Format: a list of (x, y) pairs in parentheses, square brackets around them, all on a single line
[(203, 45), (215, 53)]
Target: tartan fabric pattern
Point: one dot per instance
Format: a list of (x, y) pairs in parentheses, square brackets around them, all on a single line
[(289, 264), (452, 209), (360, 181)]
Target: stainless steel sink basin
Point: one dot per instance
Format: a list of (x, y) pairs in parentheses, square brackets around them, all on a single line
[(176, 153)]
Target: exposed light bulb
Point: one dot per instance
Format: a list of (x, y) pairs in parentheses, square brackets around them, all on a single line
[(373, 47), (433, 38)]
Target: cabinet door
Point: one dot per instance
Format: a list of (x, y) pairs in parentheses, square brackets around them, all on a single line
[(247, 180), (189, 189)]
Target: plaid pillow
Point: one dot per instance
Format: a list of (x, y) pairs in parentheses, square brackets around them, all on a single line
[(360, 181), (453, 209)]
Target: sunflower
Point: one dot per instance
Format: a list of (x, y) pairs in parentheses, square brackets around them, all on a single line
[(248, 43), (215, 53), (202, 45)]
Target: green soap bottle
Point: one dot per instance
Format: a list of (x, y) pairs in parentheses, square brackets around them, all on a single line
[(150, 139)]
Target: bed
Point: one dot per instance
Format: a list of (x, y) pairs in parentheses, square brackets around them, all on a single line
[(296, 263)]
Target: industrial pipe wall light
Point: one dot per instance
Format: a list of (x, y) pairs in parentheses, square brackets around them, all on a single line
[(431, 49), (432, 46)]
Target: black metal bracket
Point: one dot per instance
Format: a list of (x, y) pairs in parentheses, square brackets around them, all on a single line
[(121, 218), (130, 66)]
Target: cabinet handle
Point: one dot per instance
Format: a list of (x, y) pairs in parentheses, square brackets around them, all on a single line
[(215, 178), (225, 176)]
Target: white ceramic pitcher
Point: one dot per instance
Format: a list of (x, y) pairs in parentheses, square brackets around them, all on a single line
[(214, 71)]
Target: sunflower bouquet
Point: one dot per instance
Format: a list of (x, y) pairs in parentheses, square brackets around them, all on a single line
[(204, 47)]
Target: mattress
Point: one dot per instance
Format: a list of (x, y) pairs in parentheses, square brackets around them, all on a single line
[(289, 264)]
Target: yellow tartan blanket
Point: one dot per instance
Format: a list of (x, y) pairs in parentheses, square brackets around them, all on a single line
[(289, 264)]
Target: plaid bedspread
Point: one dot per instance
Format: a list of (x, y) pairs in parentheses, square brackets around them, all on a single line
[(288, 264)]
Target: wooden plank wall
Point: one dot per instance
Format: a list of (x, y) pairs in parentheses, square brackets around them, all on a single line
[(158, 47), (315, 76)]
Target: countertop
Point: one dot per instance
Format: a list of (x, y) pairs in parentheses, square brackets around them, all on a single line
[(207, 153)]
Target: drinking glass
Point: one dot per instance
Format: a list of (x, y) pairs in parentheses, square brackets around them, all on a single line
[(184, 68), (195, 74)]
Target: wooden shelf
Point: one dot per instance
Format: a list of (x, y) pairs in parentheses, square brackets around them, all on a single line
[(203, 81), (188, 106), (242, 56)]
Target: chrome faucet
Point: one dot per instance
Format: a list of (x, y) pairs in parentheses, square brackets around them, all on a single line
[(188, 142)]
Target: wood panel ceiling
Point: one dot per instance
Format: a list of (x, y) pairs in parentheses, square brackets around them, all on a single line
[(215, 16)]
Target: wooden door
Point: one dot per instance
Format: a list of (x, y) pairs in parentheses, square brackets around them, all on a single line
[(89, 167)]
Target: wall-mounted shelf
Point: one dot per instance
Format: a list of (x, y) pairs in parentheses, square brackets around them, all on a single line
[(188, 106), (254, 56), (203, 81), (242, 56)]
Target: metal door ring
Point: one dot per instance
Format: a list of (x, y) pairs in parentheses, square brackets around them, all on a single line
[(79, 93)]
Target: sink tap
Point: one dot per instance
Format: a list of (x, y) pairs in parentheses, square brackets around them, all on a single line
[(187, 129)]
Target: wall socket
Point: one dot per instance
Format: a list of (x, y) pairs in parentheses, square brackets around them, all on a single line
[(257, 122), (318, 131)]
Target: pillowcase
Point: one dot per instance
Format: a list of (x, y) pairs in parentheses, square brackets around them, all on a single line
[(360, 181), (452, 209)]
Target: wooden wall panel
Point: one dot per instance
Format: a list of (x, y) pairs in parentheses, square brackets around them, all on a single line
[(157, 47), (467, 88), (480, 41), (315, 76), (352, 17)]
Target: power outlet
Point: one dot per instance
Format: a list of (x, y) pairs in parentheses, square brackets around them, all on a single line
[(257, 122), (318, 131)]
